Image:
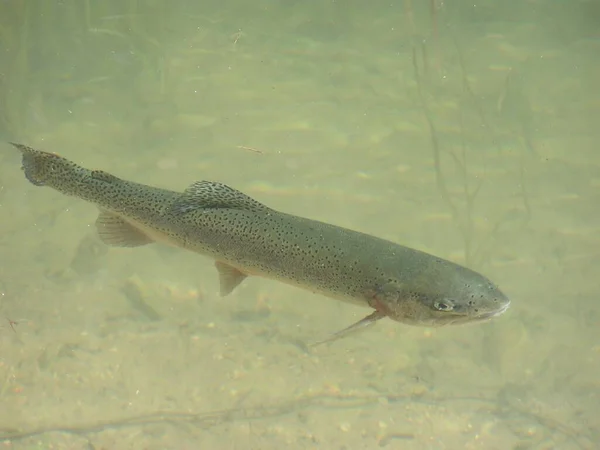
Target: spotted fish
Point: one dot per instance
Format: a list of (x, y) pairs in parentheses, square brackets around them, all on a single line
[(247, 238)]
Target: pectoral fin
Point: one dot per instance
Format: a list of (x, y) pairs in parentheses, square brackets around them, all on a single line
[(360, 325), (116, 232), (229, 277)]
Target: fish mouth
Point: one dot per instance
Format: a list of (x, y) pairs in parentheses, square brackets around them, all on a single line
[(482, 316), (493, 313), (459, 319)]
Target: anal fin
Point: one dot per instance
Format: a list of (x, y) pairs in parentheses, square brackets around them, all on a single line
[(229, 277), (115, 231)]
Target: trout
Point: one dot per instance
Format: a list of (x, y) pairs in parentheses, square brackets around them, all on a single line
[(247, 238)]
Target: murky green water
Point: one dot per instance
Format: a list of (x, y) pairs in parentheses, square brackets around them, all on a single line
[(468, 131)]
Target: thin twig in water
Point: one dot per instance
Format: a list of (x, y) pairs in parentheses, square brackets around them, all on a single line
[(12, 324), (212, 419), (251, 149), (437, 163), (473, 255), (467, 87)]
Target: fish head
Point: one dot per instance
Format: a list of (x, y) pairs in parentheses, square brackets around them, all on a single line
[(454, 296)]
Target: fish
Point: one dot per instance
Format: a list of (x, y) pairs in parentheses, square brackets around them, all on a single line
[(247, 238)]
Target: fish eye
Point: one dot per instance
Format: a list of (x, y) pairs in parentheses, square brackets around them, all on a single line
[(443, 306)]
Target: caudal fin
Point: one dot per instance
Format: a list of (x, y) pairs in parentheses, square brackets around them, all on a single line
[(37, 164)]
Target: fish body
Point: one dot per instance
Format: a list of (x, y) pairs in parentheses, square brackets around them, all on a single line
[(247, 238)]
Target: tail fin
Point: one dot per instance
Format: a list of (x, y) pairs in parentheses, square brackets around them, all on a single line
[(36, 164)]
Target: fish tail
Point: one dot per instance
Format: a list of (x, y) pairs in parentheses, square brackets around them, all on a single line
[(40, 167), (35, 163)]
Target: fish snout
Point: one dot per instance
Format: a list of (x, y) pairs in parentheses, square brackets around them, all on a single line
[(489, 303)]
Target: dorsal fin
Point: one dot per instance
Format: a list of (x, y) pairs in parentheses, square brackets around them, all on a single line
[(104, 176), (213, 195)]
